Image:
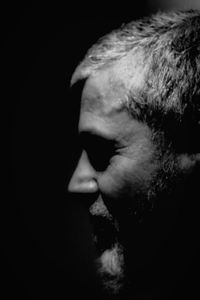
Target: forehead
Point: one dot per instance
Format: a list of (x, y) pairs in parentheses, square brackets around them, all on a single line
[(103, 94), (106, 90)]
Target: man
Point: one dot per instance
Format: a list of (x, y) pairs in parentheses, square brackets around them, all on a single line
[(139, 129)]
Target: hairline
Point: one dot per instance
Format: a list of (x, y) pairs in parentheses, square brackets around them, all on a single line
[(163, 52)]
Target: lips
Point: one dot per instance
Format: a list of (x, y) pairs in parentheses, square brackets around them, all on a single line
[(110, 257), (105, 228), (104, 233)]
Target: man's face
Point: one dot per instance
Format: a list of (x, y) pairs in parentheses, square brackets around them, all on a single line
[(117, 169)]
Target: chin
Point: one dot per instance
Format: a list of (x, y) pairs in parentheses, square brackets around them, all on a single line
[(110, 269), (109, 261)]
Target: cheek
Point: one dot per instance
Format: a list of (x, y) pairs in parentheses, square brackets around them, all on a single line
[(126, 177)]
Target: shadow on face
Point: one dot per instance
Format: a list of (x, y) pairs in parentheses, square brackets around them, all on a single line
[(133, 190)]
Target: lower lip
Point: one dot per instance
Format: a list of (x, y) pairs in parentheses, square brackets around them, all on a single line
[(104, 239)]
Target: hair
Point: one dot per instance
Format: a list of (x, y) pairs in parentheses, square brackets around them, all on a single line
[(170, 98)]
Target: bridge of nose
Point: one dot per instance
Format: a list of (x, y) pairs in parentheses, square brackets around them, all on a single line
[(84, 177)]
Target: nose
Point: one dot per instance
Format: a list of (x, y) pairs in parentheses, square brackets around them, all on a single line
[(84, 178)]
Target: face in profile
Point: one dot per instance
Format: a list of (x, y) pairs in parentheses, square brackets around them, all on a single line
[(118, 170)]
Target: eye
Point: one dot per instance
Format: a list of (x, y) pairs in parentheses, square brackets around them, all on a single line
[(100, 156), (99, 151)]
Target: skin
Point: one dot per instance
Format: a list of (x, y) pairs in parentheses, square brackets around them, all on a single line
[(118, 166)]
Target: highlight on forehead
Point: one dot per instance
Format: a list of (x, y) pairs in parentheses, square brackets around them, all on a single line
[(104, 94), (112, 89)]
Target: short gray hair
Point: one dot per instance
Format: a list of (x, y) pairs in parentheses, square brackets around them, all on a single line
[(170, 44)]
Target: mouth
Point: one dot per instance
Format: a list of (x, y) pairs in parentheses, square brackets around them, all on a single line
[(109, 251), (105, 233), (105, 228), (110, 257)]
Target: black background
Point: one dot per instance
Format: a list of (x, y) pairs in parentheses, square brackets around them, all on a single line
[(41, 227), (45, 251)]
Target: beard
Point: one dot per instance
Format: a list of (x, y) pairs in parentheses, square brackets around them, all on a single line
[(110, 266), (125, 239), (109, 260)]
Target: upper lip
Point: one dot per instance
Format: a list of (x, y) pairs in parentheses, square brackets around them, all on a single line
[(98, 208)]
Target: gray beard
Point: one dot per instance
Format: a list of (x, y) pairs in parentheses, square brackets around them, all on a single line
[(110, 268), (110, 261)]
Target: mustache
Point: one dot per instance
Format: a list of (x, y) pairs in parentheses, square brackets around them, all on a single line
[(98, 208)]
